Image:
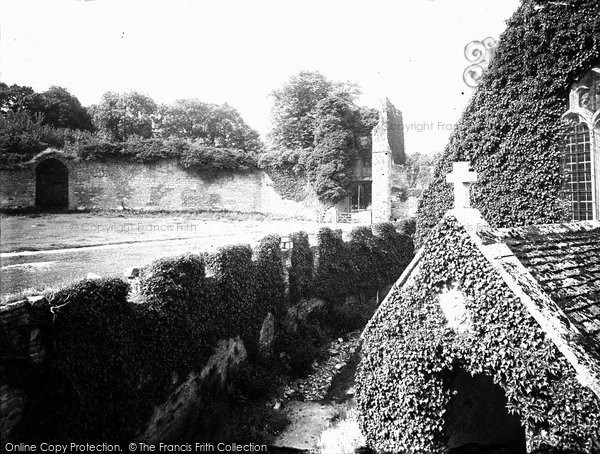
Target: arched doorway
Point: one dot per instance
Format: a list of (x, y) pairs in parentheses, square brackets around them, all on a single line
[(477, 415), (51, 185)]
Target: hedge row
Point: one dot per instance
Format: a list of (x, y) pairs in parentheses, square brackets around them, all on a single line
[(115, 359), (512, 130), (190, 154)]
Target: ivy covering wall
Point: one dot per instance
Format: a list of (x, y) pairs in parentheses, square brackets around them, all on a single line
[(409, 354), (114, 360), (511, 131)]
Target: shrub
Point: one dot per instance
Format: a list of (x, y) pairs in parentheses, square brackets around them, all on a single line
[(174, 284), (394, 252), (408, 226), (270, 278), (189, 154), (301, 346), (94, 346), (333, 271), (235, 294), (362, 255), (179, 316), (301, 270), (115, 360), (200, 157)]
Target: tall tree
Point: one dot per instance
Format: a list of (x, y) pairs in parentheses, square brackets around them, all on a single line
[(57, 106), (339, 124), (63, 110), (294, 105), (318, 130), (18, 97), (220, 126), (125, 115)]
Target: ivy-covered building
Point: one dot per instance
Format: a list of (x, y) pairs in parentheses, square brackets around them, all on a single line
[(491, 336), (384, 186), (532, 128)]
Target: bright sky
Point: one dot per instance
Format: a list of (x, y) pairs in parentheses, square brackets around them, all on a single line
[(238, 51)]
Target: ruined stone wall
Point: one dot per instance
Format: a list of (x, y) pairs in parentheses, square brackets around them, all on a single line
[(157, 186), (408, 184), (17, 187), (388, 152), (26, 351), (24, 346)]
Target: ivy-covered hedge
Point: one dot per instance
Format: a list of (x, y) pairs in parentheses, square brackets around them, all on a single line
[(511, 131), (270, 276), (234, 294), (409, 354), (115, 359), (373, 258), (301, 270), (193, 155), (94, 363)]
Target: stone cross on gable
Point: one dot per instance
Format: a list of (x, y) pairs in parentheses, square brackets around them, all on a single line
[(462, 177)]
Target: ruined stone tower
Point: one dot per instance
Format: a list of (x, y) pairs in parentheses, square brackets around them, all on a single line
[(388, 150)]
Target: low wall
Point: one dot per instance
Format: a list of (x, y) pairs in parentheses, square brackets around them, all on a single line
[(163, 185), (25, 346)]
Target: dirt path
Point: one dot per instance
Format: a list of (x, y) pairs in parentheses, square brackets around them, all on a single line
[(308, 421), (331, 391)]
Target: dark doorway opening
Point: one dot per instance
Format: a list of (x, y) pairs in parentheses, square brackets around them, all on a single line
[(477, 415), (51, 185), (361, 196)]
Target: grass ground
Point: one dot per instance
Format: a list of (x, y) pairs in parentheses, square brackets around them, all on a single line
[(38, 251)]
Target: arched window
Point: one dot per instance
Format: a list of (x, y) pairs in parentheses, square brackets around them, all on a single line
[(582, 147), (579, 172)]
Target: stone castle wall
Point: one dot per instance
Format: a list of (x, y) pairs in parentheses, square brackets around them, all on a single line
[(156, 186)]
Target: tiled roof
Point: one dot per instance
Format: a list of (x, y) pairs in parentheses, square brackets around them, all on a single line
[(565, 260)]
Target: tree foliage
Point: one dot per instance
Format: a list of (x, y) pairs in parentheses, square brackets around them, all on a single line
[(218, 126), (318, 131), (63, 110), (124, 115), (294, 107), (54, 107)]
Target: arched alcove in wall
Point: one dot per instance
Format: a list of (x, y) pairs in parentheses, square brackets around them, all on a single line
[(51, 185), (477, 415)]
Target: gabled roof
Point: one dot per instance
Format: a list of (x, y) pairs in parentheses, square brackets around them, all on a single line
[(554, 270), (565, 260)]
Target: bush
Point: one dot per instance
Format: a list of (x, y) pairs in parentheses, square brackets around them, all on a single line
[(235, 294), (191, 155), (270, 278), (178, 318), (332, 277), (394, 252), (92, 364), (200, 157), (408, 226), (301, 270), (174, 284), (301, 346), (22, 137), (364, 276), (115, 360)]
